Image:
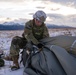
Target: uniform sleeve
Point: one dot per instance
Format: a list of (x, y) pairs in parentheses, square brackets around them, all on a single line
[(46, 33), (28, 33)]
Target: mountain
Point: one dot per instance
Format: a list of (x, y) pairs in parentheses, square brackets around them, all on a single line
[(19, 25), (57, 26), (9, 23), (11, 27)]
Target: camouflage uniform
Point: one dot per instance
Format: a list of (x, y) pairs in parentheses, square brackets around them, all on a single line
[(17, 44), (31, 33), (35, 33)]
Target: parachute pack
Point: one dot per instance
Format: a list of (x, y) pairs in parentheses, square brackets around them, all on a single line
[(56, 57)]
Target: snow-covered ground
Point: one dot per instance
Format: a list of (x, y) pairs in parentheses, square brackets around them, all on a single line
[(7, 71), (5, 41)]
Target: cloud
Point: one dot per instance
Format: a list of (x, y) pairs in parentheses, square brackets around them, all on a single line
[(59, 19), (56, 16), (54, 9), (40, 7), (72, 18), (30, 13), (69, 3), (65, 2), (19, 0), (11, 0)]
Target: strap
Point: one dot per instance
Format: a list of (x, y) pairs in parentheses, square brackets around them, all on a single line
[(73, 44)]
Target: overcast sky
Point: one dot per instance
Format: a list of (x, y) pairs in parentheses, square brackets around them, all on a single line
[(60, 12)]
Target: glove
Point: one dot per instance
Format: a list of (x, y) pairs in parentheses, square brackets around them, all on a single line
[(39, 45), (29, 48)]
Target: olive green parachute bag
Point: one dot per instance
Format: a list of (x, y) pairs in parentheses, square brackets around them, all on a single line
[(54, 58)]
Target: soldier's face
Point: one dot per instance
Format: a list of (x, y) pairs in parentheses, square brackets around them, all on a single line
[(38, 23)]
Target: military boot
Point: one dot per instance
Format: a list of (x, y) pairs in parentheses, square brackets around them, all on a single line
[(15, 63), (8, 58)]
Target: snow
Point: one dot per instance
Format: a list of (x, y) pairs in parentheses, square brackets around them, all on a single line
[(5, 41), (6, 70), (16, 21)]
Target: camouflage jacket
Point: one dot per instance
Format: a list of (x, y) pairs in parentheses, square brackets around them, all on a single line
[(35, 33)]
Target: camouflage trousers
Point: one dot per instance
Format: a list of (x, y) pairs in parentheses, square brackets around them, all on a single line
[(17, 43)]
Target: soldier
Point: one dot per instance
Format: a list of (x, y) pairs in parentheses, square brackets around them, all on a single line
[(34, 31)]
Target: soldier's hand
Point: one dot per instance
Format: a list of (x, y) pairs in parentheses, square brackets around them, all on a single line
[(40, 45)]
